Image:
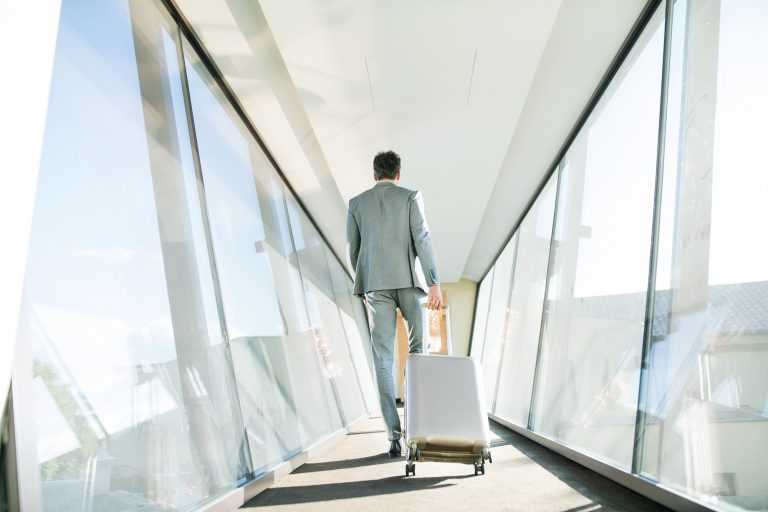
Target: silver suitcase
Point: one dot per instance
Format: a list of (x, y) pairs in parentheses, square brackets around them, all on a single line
[(445, 415)]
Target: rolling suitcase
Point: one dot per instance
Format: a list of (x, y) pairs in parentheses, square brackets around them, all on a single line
[(445, 413)]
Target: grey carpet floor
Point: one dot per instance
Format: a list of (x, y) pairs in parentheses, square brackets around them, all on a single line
[(355, 475)]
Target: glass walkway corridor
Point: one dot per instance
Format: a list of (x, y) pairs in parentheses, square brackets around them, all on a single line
[(178, 328), (354, 475)]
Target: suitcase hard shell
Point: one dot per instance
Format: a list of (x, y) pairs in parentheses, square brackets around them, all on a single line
[(445, 413)]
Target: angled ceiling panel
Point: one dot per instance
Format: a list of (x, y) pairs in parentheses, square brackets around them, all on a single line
[(477, 97)]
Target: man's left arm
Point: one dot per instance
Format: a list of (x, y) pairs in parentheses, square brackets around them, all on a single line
[(422, 241)]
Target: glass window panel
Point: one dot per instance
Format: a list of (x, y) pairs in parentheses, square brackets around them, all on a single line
[(324, 314), (361, 318), (587, 387), (707, 385), (521, 339), (287, 402), (134, 395), (481, 314), (497, 318), (356, 329), (324, 318)]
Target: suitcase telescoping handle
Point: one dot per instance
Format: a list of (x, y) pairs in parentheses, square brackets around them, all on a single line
[(443, 312)]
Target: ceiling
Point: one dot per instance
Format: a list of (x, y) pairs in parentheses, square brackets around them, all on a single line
[(476, 97)]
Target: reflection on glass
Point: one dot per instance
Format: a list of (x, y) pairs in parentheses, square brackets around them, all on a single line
[(497, 319), (706, 406), (339, 382), (587, 387), (134, 395), (526, 300), (356, 330), (481, 314), (324, 315), (286, 400)]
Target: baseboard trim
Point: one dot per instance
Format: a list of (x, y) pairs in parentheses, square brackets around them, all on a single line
[(242, 495), (662, 495)]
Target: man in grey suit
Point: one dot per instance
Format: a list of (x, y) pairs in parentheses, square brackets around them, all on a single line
[(387, 233)]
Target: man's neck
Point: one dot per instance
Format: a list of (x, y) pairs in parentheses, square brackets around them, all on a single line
[(384, 180)]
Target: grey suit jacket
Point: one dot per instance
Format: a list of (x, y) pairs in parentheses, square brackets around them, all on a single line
[(386, 233)]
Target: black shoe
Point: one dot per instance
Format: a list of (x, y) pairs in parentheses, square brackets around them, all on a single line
[(394, 449)]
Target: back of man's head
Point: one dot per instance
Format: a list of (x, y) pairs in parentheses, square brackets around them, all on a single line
[(386, 165)]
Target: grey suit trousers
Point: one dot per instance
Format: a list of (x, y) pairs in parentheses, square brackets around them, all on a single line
[(382, 308)]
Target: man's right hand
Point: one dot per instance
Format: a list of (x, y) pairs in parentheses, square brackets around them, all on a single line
[(435, 297)]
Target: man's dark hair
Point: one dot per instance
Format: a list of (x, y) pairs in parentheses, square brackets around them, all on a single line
[(386, 165)]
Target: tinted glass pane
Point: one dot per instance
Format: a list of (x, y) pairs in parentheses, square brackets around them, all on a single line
[(707, 393), (497, 319), (521, 339), (324, 315), (287, 402), (481, 314), (356, 329), (587, 385), (134, 395)]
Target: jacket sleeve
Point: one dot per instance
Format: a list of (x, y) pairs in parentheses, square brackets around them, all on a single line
[(422, 241), (353, 238)]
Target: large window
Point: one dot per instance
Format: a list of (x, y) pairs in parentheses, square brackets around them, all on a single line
[(526, 300), (482, 302), (354, 320), (497, 319), (701, 420), (587, 387), (706, 406), (324, 319), (183, 328), (132, 388), (287, 399)]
